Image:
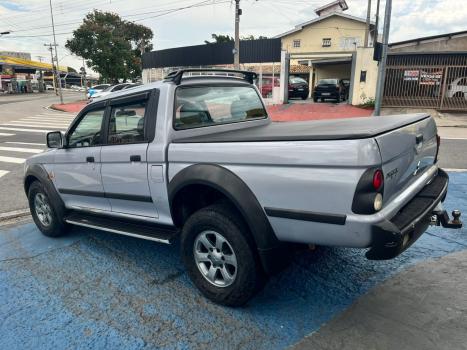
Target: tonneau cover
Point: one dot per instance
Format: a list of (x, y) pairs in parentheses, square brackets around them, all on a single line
[(336, 129)]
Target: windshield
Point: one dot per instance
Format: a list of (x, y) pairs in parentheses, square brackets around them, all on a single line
[(296, 80), (109, 88), (206, 106), (328, 82), (100, 87)]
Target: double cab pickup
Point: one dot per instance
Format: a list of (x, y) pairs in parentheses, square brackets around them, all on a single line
[(196, 157)]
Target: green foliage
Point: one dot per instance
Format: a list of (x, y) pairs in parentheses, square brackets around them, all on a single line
[(110, 45), (220, 38)]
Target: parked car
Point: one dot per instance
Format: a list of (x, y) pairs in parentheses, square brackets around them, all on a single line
[(298, 87), (458, 88), (329, 89), (49, 87), (198, 158), (96, 89), (110, 89)]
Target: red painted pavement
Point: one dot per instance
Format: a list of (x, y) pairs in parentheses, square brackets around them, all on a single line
[(279, 113)]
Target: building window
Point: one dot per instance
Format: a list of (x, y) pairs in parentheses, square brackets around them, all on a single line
[(326, 42), (296, 43)]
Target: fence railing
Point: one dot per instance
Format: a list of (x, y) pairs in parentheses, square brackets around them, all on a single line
[(433, 81)]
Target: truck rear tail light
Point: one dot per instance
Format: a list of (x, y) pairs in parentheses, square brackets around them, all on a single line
[(378, 179), (378, 203), (438, 143), (368, 198)]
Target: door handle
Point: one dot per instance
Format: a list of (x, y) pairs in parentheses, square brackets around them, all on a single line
[(135, 158), (90, 159)]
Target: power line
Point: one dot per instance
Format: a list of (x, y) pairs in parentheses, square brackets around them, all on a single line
[(165, 12)]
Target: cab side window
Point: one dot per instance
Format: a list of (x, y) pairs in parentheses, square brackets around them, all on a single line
[(127, 123), (88, 131)]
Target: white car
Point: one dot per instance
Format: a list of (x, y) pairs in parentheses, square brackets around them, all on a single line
[(458, 88), (96, 89), (111, 89)]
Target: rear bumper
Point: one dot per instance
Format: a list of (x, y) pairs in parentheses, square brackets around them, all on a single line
[(391, 237)]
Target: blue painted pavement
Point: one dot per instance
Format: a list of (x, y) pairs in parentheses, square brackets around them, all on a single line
[(97, 290)]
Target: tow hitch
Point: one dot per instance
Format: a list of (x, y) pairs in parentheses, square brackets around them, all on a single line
[(441, 218)]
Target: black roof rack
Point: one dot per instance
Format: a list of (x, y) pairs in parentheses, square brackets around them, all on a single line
[(176, 76)]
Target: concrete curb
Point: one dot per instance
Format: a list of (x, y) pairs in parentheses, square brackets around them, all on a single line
[(15, 214)]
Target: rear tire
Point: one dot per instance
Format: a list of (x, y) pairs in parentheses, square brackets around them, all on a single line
[(44, 212), (220, 255)]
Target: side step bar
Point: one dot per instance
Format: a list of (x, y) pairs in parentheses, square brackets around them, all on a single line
[(138, 229)]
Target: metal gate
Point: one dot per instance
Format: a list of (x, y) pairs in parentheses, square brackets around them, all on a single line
[(427, 81)]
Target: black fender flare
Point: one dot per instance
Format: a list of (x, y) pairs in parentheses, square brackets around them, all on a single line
[(38, 172), (237, 191)]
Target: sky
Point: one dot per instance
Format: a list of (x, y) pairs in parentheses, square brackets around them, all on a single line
[(29, 21)]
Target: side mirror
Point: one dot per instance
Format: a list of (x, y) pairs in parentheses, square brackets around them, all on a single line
[(54, 139)]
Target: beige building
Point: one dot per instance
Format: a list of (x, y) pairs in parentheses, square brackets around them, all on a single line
[(332, 46)]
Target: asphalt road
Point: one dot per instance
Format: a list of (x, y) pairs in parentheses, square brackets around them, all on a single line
[(23, 124)]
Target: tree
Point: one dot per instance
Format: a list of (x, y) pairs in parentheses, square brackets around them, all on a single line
[(110, 45), (220, 38)]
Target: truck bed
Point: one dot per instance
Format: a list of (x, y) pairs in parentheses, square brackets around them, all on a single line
[(337, 129)]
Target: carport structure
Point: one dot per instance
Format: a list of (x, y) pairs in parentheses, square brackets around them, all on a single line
[(357, 66)]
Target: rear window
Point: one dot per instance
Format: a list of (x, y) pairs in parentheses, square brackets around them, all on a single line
[(296, 80), (200, 106), (328, 81)]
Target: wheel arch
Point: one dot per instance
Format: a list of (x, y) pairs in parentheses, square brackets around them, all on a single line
[(37, 172), (222, 181)]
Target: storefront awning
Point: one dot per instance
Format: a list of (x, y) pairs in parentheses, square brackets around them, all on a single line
[(27, 64)]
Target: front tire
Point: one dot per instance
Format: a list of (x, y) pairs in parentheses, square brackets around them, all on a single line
[(44, 213), (220, 256)]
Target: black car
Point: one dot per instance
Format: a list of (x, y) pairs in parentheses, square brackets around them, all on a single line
[(298, 88), (329, 89)]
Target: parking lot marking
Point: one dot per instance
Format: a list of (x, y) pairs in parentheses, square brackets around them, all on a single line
[(12, 160), (6, 134), (20, 149), (3, 172), (25, 143), (25, 130)]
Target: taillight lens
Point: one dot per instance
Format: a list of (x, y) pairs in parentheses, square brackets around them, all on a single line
[(438, 143), (378, 180), (368, 198)]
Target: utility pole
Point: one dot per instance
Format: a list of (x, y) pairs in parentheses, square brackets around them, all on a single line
[(367, 29), (238, 13), (375, 39), (54, 71), (382, 64), (40, 58), (56, 55), (83, 72)]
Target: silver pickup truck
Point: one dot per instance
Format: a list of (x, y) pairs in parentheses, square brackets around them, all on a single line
[(197, 157)]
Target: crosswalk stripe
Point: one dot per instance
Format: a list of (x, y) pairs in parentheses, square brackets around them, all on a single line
[(48, 119), (12, 160), (3, 172), (25, 143), (37, 125), (25, 130), (25, 123), (21, 149), (55, 115), (6, 134)]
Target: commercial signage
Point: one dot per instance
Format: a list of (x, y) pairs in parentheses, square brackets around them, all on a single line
[(431, 78), (411, 75)]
